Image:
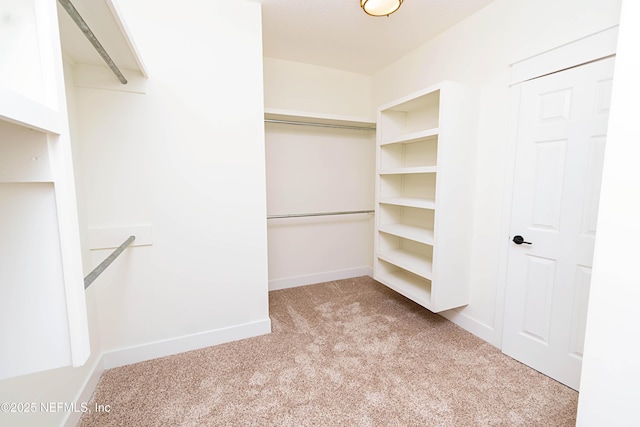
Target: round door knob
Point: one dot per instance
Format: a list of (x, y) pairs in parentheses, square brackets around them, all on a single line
[(518, 240)]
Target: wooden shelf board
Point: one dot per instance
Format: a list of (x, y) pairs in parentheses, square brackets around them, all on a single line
[(408, 285), (104, 19), (410, 261), (412, 202), (411, 232), (412, 137), (21, 110), (411, 170), (331, 119), (414, 100)]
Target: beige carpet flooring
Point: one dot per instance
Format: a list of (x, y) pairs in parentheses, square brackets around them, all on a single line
[(343, 353)]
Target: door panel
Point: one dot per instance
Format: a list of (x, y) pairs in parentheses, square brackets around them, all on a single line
[(547, 193), (560, 148), (579, 310), (592, 189), (539, 278)]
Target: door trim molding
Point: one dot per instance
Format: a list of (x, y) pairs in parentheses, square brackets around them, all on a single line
[(581, 51), (587, 49)]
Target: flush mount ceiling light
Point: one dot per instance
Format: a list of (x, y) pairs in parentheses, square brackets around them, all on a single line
[(380, 7)]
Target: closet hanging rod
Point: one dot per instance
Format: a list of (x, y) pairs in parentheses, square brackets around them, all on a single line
[(323, 125), (73, 13), (302, 215), (107, 262)]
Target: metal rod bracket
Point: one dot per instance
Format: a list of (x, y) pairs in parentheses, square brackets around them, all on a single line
[(322, 125), (302, 215), (107, 262)]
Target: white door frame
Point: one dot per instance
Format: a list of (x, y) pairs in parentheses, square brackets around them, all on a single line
[(584, 50)]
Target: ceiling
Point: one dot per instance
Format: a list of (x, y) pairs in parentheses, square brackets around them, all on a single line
[(329, 33), (338, 34)]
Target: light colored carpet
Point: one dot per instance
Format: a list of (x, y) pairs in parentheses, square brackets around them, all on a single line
[(344, 353)]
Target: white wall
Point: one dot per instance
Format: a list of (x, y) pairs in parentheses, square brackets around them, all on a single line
[(478, 51), (610, 371), (309, 88), (311, 169), (187, 158)]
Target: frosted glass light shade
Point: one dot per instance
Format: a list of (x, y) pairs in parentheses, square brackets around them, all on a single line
[(380, 7)]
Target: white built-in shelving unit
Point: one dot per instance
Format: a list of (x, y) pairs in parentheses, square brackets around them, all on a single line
[(424, 195), (43, 319), (42, 304)]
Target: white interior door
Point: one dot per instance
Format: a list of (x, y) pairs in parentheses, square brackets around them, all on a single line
[(562, 127)]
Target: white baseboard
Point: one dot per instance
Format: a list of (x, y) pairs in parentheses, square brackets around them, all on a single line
[(127, 356), (477, 328), (292, 282), (114, 359), (85, 392)]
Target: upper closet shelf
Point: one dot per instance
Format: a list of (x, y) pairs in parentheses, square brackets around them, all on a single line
[(25, 111), (104, 20), (319, 119)]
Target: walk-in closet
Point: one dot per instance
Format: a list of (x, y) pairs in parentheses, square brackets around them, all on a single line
[(256, 145), (320, 198)]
